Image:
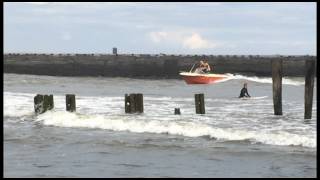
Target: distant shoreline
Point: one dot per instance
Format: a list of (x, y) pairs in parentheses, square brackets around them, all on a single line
[(146, 66)]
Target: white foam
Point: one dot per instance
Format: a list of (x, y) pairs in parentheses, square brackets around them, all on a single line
[(285, 80), (132, 123), (253, 98), (17, 104), (108, 113)]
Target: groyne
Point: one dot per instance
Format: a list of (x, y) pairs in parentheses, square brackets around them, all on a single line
[(145, 65)]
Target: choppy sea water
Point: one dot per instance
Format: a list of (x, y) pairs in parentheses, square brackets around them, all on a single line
[(235, 138)]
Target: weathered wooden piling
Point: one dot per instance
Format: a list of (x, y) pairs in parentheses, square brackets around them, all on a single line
[(51, 102), (139, 103), (42, 103), (199, 103), (46, 102), (134, 103), (276, 66), (177, 111), (308, 92), (70, 102), (38, 104), (127, 104)]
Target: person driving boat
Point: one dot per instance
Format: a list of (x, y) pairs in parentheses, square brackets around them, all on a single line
[(204, 67)]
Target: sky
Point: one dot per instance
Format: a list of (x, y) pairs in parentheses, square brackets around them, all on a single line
[(212, 28)]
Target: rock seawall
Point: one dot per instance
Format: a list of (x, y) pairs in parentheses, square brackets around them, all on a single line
[(152, 66)]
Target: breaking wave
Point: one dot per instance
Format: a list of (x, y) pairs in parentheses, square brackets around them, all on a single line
[(227, 125), (174, 127)]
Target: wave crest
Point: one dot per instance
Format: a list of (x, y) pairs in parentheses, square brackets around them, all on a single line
[(177, 127)]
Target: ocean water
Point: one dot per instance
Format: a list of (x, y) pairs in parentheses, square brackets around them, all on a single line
[(235, 138)]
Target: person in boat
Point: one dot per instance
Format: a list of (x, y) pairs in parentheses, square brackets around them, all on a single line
[(200, 68), (244, 91), (204, 67)]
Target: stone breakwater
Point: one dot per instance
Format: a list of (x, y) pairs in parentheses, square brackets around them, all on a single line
[(148, 66)]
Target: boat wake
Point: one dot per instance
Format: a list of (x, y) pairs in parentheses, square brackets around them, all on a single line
[(285, 80)]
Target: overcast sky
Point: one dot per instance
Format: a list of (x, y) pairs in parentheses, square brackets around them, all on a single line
[(152, 28)]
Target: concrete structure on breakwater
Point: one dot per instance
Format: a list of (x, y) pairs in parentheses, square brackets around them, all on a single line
[(144, 65)]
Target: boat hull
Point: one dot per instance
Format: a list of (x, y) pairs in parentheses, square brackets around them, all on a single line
[(193, 78)]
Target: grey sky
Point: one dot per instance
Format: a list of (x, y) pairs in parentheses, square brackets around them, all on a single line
[(171, 28)]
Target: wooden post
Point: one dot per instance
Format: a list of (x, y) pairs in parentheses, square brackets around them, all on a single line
[(196, 103), (202, 108), (277, 85), (127, 103), (139, 103), (71, 102), (51, 102), (42, 103), (132, 103), (177, 111), (308, 90), (199, 103), (38, 104), (46, 102)]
